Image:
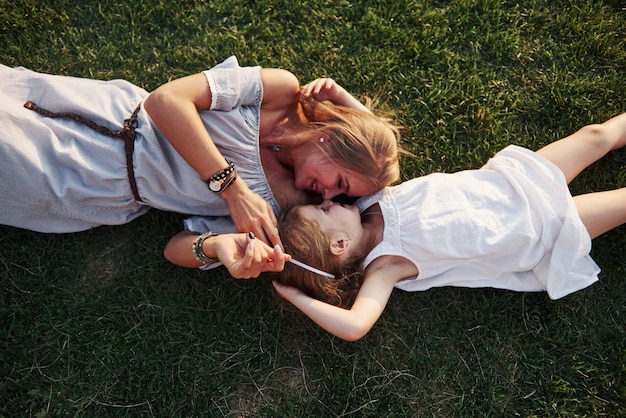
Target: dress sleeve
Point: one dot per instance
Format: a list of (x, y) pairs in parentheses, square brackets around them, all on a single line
[(233, 86), (217, 224)]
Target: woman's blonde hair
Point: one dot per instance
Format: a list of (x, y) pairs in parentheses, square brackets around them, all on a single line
[(359, 141), (304, 241)]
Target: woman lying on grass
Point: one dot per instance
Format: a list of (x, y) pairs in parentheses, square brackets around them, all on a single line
[(77, 153), (513, 224)]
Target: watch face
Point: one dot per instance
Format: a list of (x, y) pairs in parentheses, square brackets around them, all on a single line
[(215, 186)]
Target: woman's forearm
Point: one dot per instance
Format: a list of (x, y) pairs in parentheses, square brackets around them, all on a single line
[(179, 250), (174, 108)]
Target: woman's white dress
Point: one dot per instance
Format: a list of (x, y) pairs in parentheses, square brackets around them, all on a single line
[(512, 225), (60, 176)]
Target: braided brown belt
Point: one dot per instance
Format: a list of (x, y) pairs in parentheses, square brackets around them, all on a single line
[(127, 133)]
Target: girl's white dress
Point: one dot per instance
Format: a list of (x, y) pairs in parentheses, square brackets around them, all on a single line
[(60, 176), (510, 225)]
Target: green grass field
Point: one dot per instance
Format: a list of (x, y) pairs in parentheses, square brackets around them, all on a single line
[(99, 324)]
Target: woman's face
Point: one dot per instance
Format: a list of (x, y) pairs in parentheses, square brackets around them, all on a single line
[(319, 175)]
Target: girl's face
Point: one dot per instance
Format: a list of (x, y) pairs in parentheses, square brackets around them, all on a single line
[(334, 217), (319, 175)]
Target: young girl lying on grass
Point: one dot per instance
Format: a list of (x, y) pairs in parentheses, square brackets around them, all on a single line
[(513, 224)]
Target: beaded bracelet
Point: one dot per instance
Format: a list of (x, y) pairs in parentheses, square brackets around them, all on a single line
[(221, 180), (198, 252)]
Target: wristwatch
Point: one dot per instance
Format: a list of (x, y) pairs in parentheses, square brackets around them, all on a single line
[(220, 181)]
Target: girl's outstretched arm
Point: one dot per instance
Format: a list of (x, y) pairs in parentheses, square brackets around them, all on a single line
[(352, 324)]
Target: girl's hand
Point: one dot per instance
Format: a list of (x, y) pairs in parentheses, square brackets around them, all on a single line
[(247, 257), (287, 292)]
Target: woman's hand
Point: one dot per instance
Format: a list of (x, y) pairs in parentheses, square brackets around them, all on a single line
[(322, 89), (247, 257), (243, 255), (251, 213), (327, 89)]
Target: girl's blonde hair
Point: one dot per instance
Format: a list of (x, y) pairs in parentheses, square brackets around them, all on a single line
[(356, 140), (305, 242)]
